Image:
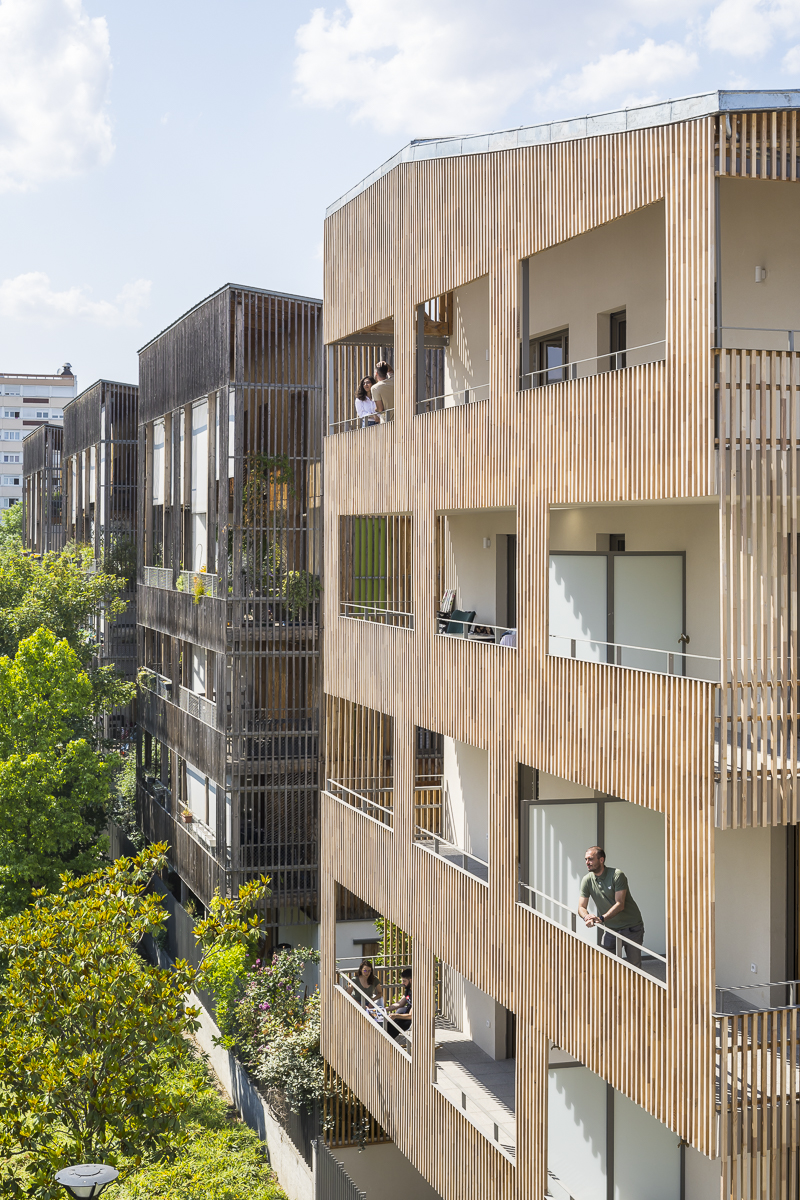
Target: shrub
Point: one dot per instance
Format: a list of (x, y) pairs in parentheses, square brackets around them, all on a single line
[(224, 969)]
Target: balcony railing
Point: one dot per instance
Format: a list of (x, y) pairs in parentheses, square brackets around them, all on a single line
[(597, 364), (468, 1078), (380, 614), (382, 418), (466, 395), (158, 577), (376, 1012), (757, 997), (757, 1078), (154, 682), (637, 658), (197, 583), (366, 795), (157, 791), (558, 913), (278, 740), (198, 706), (452, 625), (452, 854), (780, 339)]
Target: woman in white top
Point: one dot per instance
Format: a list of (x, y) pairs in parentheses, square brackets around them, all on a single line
[(367, 409)]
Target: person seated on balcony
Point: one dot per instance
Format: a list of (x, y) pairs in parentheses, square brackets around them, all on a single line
[(383, 388), (616, 908), (509, 638), (401, 1011), (367, 990), (367, 409)]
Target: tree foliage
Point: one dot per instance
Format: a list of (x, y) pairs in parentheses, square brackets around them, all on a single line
[(54, 788), (90, 1035), (11, 528)]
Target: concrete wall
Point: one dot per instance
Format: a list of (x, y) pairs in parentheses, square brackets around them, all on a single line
[(759, 226), (484, 1021), (471, 568), (750, 908), (579, 283), (692, 527), (465, 795), (346, 931), (466, 359), (384, 1172)]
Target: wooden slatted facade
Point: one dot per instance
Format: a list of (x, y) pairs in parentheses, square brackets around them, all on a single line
[(42, 490), (230, 564), (700, 423)]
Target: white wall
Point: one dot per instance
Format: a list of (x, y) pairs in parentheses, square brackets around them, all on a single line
[(692, 527), (647, 1164), (466, 362), (296, 929), (620, 265), (484, 1021), (560, 834), (576, 1131), (468, 567), (635, 843), (759, 226), (465, 795), (385, 1172), (750, 908), (702, 1176), (346, 931)]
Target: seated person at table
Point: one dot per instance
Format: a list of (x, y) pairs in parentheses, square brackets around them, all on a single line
[(401, 1011), (366, 989)]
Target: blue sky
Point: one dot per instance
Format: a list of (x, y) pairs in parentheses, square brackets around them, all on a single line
[(150, 152)]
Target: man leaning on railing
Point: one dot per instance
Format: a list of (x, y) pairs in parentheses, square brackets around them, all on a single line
[(616, 908)]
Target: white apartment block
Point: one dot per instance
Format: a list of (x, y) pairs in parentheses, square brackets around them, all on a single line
[(27, 401)]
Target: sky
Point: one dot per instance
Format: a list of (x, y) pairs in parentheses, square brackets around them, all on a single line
[(152, 151)]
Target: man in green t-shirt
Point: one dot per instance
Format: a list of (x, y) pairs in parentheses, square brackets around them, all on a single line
[(616, 908)]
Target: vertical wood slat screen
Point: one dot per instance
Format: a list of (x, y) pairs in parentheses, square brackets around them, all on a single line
[(759, 465), (758, 145), (346, 1121), (347, 365), (43, 513), (375, 582), (428, 764), (359, 757), (758, 1091)]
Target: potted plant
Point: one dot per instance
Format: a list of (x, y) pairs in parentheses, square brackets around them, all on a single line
[(187, 816)]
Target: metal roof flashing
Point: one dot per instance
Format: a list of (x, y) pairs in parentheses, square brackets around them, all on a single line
[(646, 116)]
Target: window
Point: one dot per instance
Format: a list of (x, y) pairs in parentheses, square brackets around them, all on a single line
[(43, 414), (12, 458), (619, 343), (12, 414), (12, 480), (56, 414), (11, 435), (8, 501), (549, 357)]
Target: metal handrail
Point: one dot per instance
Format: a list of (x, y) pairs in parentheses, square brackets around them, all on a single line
[(198, 706), (465, 395), (443, 616), (360, 795), (792, 984), (572, 365), (756, 329), (369, 610), (357, 422), (509, 1130), (574, 922), (425, 835), (386, 1017), (671, 655)]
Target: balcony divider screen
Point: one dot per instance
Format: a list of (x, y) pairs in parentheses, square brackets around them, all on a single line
[(375, 569), (359, 759)]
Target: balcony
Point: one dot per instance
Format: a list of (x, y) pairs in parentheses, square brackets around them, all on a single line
[(375, 569), (377, 1011), (196, 583), (452, 348), (614, 321), (637, 598), (559, 821), (351, 359), (194, 704), (451, 802), (475, 1063), (476, 571)]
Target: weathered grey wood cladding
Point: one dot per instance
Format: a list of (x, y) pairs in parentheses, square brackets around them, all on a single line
[(175, 613), (203, 746), (42, 490), (82, 420), (190, 859)]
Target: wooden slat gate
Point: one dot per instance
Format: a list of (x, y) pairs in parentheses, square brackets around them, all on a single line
[(331, 1181)]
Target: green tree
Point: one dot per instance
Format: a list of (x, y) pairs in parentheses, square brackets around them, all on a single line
[(91, 1036), (11, 528), (54, 788)]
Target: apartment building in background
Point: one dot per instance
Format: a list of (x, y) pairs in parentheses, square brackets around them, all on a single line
[(229, 578), (42, 493), (27, 402), (561, 613)]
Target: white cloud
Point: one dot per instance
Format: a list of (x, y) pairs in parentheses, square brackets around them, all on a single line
[(31, 297), (791, 60), (402, 64), (628, 76), (748, 28), (55, 68)]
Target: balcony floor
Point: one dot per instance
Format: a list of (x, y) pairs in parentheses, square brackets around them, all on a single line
[(488, 1081)]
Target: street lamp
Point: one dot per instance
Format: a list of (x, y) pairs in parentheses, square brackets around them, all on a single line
[(86, 1180)]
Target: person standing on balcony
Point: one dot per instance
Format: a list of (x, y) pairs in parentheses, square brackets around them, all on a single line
[(368, 410), (383, 388), (616, 908)]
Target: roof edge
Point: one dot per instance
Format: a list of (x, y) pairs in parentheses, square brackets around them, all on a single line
[(645, 116), (92, 386), (226, 287)]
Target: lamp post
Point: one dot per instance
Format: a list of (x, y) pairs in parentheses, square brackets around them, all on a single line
[(86, 1180)]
